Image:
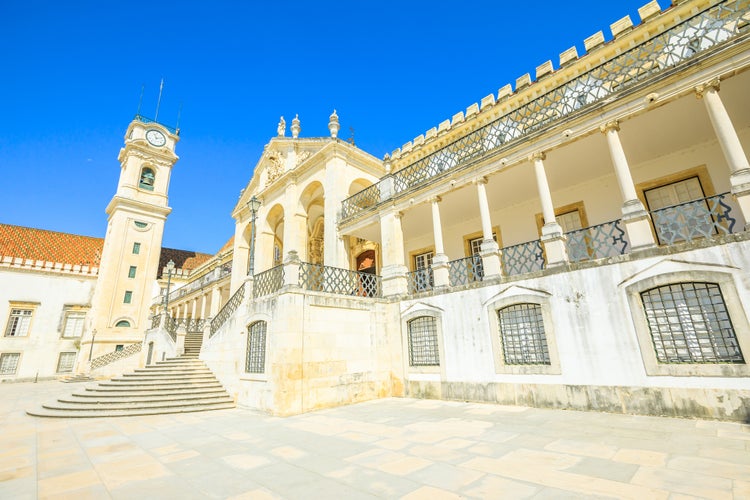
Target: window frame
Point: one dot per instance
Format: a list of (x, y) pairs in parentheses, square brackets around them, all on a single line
[(136, 248), (501, 367), (18, 355), (578, 206), (128, 297), (132, 271), (59, 359), (468, 238), (734, 307), (249, 345), (66, 315), (438, 369), (21, 306)]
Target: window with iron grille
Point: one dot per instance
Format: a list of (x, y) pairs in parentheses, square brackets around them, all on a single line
[(18, 323), (423, 342), (9, 363), (73, 324), (522, 334), (256, 348), (689, 323), (65, 362)]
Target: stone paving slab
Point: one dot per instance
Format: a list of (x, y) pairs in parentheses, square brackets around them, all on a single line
[(390, 448)]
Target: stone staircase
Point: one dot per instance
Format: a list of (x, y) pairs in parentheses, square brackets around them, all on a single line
[(175, 385), (193, 342)]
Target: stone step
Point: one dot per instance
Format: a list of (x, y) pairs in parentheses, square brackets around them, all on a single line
[(124, 405), (43, 412), (115, 395), (176, 385)]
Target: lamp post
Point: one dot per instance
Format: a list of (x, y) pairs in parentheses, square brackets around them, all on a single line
[(253, 205), (170, 268)]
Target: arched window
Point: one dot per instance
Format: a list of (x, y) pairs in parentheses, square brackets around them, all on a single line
[(147, 179), (123, 323), (689, 323), (256, 348), (423, 341), (522, 335)]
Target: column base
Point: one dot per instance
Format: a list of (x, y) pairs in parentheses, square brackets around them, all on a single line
[(440, 270), (491, 259), (393, 279), (553, 241), (637, 223)]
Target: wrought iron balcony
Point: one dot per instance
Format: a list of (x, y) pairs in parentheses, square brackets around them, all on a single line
[(596, 242), (420, 280), (214, 275), (144, 119), (466, 270), (321, 278), (703, 218), (268, 282), (694, 35), (523, 258)]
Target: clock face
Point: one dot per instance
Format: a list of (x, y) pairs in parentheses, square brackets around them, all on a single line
[(155, 138)]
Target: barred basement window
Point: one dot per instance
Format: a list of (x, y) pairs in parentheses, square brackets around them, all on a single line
[(9, 363), (423, 342), (522, 335), (689, 323), (18, 323), (65, 362), (256, 348)]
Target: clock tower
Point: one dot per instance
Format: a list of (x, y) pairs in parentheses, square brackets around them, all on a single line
[(132, 245)]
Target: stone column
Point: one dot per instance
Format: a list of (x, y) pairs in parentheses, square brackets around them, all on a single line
[(204, 306), (440, 266), (215, 301), (394, 269), (240, 256), (490, 252), (730, 145), (634, 215), (552, 235)]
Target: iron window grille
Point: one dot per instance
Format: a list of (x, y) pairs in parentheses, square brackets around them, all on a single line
[(522, 334), (689, 323), (19, 323), (423, 342), (256, 348), (9, 363)]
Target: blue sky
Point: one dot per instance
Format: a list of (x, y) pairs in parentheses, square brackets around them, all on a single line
[(72, 74)]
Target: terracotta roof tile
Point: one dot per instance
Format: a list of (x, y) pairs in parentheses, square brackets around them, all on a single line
[(49, 246), (183, 259)]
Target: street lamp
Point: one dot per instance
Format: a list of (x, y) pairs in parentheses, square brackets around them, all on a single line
[(253, 205), (170, 268)]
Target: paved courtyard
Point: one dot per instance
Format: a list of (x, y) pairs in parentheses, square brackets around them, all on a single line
[(392, 448)]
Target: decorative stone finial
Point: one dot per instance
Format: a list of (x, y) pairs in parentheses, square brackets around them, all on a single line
[(333, 124), (387, 163), (281, 129), (295, 127)]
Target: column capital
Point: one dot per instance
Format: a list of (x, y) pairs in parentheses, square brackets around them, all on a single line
[(539, 155), (480, 180), (713, 84), (613, 125), (435, 199)]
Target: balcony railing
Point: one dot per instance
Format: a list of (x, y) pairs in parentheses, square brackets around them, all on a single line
[(144, 119), (466, 270), (596, 242), (268, 282), (523, 258), (215, 275), (702, 218), (692, 36), (232, 304), (321, 278), (420, 280)]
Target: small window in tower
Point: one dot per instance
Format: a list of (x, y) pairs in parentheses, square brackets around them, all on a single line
[(123, 323), (140, 224), (131, 272), (147, 179), (128, 297), (136, 248)]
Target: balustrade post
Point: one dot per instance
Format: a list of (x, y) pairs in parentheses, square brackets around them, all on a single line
[(553, 238), (180, 343), (291, 270), (730, 145), (489, 250), (249, 290), (634, 215), (394, 270)]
